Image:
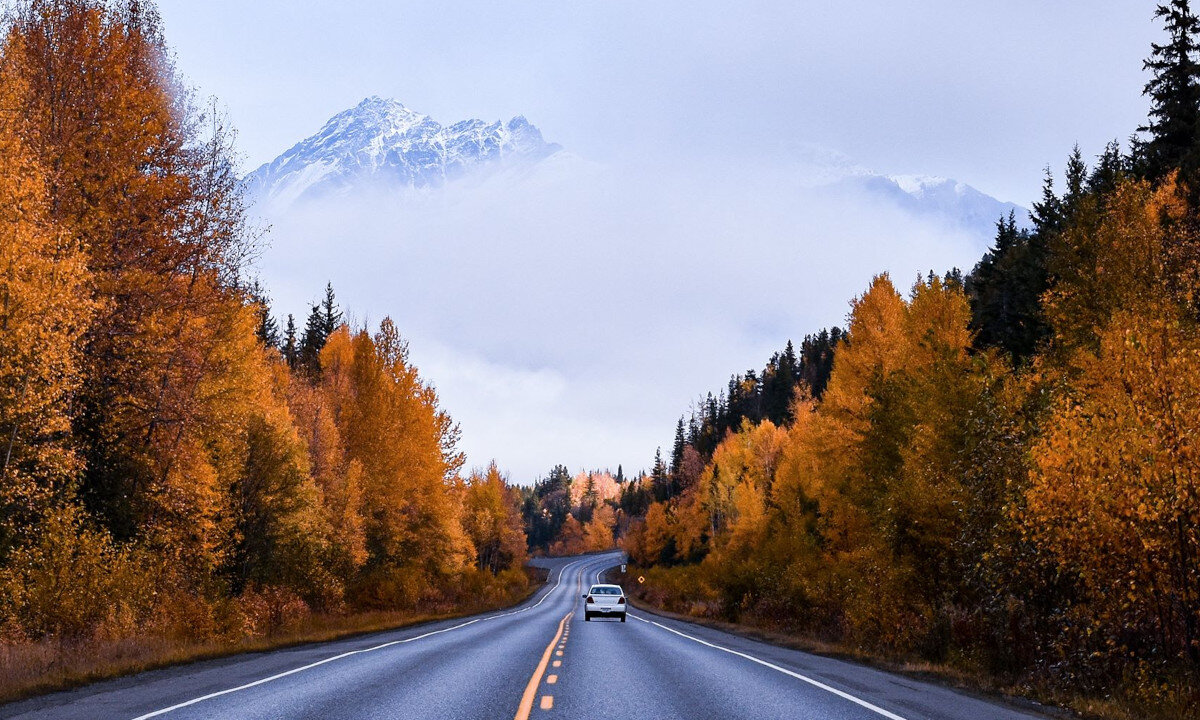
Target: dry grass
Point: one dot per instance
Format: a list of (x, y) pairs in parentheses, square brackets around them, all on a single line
[(28, 669)]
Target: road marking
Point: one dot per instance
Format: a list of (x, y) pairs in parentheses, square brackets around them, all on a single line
[(547, 702), (785, 671), (551, 679), (558, 663), (558, 653), (536, 679), (573, 566)]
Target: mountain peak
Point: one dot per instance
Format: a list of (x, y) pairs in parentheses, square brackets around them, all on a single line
[(383, 142)]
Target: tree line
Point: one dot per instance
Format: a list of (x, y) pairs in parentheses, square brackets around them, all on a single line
[(1001, 470), (171, 464)]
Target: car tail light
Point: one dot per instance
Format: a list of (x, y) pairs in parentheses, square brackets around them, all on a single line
[(621, 601), (589, 599)]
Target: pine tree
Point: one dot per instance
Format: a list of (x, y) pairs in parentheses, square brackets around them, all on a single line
[(1174, 89), (1005, 290), (291, 351), (677, 447), (331, 316), (313, 341), (268, 329), (1047, 213), (659, 481)]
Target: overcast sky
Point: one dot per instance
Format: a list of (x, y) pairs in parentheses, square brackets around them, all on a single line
[(561, 341)]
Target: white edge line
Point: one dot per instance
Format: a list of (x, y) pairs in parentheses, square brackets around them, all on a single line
[(302, 668), (785, 671)]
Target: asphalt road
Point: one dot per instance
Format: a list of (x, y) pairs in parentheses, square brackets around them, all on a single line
[(538, 660)]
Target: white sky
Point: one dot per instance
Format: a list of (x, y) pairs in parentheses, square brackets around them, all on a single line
[(582, 343)]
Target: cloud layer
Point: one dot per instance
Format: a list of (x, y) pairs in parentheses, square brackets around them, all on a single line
[(568, 314)]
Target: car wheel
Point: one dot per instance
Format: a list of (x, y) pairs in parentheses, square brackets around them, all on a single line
[(587, 617), (622, 617)]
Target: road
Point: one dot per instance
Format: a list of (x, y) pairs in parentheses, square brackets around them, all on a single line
[(537, 660)]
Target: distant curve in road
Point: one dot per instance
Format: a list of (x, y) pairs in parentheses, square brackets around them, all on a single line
[(538, 660)]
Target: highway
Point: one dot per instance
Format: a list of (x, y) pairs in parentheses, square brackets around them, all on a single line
[(537, 660)]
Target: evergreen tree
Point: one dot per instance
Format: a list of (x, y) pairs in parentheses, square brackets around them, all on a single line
[(659, 481), (677, 447), (816, 358), (291, 351), (1005, 291), (313, 341), (268, 329), (779, 385), (1174, 90), (331, 316), (1047, 213)]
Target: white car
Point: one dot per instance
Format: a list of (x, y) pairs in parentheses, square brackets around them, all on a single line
[(604, 600)]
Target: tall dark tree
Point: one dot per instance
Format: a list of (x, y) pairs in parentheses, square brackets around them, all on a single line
[(677, 447), (1005, 291), (1173, 127), (779, 385), (660, 481), (268, 329), (313, 341), (331, 315), (816, 358), (1047, 215), (291, 347)]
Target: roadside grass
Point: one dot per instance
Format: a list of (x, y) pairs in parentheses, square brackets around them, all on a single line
[(1132, 702), (34, 668)]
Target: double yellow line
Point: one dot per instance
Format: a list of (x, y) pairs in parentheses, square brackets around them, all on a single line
[(531, 689)]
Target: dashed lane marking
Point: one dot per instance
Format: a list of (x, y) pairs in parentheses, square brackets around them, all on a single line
[(547, 702), (536, 679), (572, 566)]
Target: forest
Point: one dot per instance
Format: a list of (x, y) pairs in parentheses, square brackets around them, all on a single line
[(174, 470), (995, 474)]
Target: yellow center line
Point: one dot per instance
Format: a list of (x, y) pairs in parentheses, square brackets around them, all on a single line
[(531, 689)]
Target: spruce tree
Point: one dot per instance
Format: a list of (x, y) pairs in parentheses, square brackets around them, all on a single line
[(268, 329), (659, 482), (1174, 91), (313, 341), (677, 447), (331, 316), (291, 351), (1047, 213)]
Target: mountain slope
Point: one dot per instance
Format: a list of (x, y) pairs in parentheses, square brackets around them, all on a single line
[(381, 142), (382, 145)]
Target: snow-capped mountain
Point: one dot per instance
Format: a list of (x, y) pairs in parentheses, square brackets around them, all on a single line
[(382, 143), (948, 200), (943, 197)]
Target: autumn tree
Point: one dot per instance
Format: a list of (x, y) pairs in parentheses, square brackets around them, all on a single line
[(43, 312), (1113, 496), (492, 520), (404, 443), (145, 184)]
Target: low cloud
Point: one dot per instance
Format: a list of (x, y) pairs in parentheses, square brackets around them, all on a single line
[(568, 313)]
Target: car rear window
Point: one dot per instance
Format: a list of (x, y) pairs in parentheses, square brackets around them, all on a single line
[(606, 591)]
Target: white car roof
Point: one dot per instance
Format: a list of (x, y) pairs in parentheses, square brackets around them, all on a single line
[(603, 585)]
